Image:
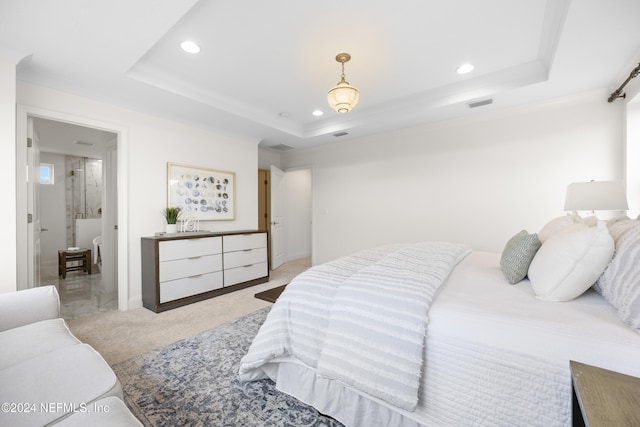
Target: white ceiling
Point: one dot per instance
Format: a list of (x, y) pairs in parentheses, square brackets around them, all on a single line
[(69, 139), (261, 59)]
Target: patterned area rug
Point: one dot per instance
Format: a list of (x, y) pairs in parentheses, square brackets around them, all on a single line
[(193, 382)]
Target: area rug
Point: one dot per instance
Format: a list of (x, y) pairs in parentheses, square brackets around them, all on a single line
[(193, 382), (270, 295)]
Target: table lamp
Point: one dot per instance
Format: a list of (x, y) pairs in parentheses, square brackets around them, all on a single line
[(596, 196)]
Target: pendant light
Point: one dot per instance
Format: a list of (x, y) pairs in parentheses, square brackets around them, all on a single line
[(343, 97)]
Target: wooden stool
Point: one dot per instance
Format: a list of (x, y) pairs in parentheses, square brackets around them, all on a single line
[(65, 256)]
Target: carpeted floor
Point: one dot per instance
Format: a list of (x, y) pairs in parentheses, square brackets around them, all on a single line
[(123, 335), (194, 382)]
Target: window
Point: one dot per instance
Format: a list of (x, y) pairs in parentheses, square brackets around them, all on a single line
[(46, 173)]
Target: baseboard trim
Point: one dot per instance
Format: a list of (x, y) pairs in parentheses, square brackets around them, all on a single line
[(133, 303), (293, 257)]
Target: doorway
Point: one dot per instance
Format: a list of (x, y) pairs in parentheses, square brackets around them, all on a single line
[(296, 212), (73, 192), (102, 210)]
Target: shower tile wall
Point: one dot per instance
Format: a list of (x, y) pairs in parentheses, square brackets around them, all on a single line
[(83, 191), (93, 181)]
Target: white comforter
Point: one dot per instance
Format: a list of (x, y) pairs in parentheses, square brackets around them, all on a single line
[(368, 328), (494, 356)]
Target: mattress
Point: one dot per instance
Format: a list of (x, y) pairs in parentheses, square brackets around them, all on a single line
[(494, 356)]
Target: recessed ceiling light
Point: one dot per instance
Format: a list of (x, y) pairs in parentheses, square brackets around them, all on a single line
[(190, 46), (465, 68), (317, 113)]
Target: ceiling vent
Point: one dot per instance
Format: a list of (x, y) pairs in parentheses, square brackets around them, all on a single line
[(476, 104), (78, 142), (281, 147), (340, 134)]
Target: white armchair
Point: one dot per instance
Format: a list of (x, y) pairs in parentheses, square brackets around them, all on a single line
[(43, 364), (28, 306)]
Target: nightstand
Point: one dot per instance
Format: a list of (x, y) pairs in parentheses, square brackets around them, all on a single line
[(604, 398)]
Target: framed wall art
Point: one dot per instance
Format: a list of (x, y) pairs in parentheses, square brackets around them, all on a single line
[(201, 193)]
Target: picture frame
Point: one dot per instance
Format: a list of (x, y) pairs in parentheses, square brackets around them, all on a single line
[(201, 193)]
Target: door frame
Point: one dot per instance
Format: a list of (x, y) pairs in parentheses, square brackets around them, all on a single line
[(24, 111), (34, 228)]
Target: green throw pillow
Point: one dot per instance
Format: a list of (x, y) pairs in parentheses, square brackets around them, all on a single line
[(518, 254)]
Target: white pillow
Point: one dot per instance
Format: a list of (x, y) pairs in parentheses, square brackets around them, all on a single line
[(620, 282), (570, 262), (621, 228), (558, 224), (590, 221)]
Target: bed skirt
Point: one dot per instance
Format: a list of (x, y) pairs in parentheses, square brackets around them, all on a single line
[(331, 398)]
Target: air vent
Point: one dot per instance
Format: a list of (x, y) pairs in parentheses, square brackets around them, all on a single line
[(340, 134), (88, 144), (476, 104), (281, 147)]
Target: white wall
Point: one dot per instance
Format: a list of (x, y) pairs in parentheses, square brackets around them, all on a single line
[(632, 168), (8, 273), (267, 158), (477, 180), (298, 213), (151, 143), (53, 215)]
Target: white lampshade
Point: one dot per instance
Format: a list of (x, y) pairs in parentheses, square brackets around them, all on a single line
[(343, 97), (596, 196)]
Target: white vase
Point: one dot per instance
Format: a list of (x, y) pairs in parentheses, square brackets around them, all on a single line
[(171, 228)]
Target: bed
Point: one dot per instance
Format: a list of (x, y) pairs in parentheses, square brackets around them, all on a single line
[(492, 353)]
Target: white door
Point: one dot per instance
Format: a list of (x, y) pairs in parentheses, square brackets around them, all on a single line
[(109, 254), (33, 205), (278, 220)]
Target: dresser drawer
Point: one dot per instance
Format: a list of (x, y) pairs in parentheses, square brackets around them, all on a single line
[(197, 284), (245, 273), (246, 257), (179, 268), (187, 248), (239, 242)]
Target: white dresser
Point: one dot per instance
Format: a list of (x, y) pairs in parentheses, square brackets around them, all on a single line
[(182, 268)]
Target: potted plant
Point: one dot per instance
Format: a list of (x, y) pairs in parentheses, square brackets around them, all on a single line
[(171, 215)]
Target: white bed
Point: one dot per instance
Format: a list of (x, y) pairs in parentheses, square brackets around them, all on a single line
[(494, 354)]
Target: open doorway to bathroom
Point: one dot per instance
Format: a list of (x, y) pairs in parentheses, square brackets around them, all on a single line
[(77, 213)]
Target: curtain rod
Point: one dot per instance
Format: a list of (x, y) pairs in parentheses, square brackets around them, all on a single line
[(617, 94)]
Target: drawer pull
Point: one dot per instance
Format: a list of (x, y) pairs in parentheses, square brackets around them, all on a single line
[(247, 250), (195, 257), (247, 266), (195, 276)]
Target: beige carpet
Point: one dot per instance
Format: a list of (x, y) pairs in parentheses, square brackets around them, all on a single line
[(121, 335)]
